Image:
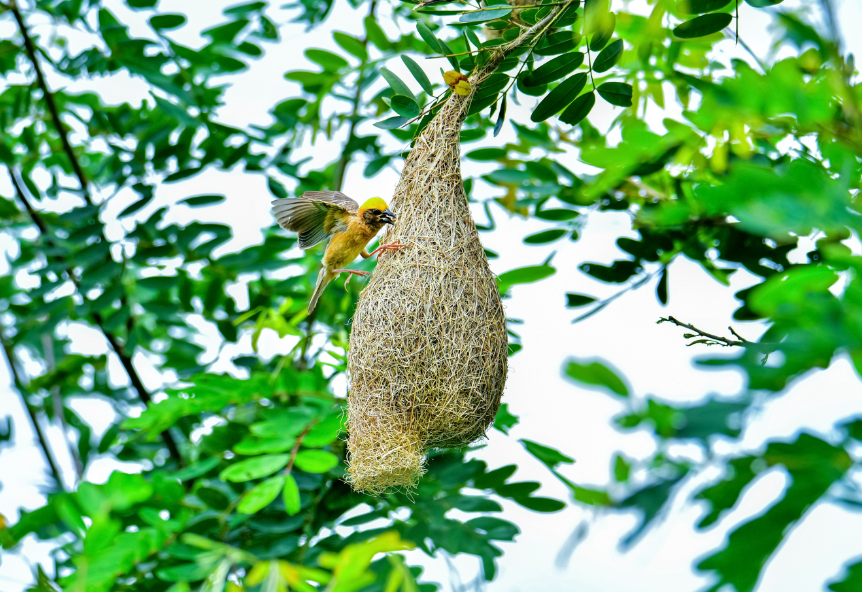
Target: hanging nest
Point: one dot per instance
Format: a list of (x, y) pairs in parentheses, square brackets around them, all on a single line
[(428, 347)]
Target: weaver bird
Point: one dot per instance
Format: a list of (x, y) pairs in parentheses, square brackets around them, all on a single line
[(321, 215)]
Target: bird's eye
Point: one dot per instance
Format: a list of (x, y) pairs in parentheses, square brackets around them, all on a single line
[(375, 212)]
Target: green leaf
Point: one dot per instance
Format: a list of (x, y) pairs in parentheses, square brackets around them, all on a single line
[(550, 457), (177, 112), (661, 289), (557, 215), (202, 200), (375, 34), (557, 99), (405, 106), (166, 22), (254, 468), (446, 50), (474, 503), (247, 8), (579, 109), (487, 154), (703, 25), (851, 581), (501, 117), (139, 4), (198, 469), (316, 461), (603, 35), (391, 123), (494, 528), (351, 45), (596, 374), (261, 495), (418, 74), (701, 6), (541, 504), (291, 496), (609, 57), (575, 300), (556, 43), (396, 83), (429, 37), (482, 16), (593, 497), (504, 420), (136, 206), (622, 469), (617, 93), (327, 60), (158, 283), (545, 237), (555, 69), (524, 275), (276, 188)]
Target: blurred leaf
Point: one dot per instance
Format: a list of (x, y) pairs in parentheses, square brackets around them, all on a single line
[(596, 374), (703, 25), (261, 495), (254, 468), (166, 22), (524, 275), (291, 496), (316, 461)]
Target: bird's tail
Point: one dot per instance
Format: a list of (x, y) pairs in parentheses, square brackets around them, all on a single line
[(322, 280)]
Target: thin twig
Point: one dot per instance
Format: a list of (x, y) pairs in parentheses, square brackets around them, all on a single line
[(295, 450), (59, 407), (709, 338), (49, 100), (31, 412)]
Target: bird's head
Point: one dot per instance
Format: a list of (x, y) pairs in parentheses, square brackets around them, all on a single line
[(376, 213)]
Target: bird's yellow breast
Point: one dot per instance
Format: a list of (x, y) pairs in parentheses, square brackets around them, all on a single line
[(345, 246)]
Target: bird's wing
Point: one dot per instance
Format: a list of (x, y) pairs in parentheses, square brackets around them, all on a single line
[(315, 216)]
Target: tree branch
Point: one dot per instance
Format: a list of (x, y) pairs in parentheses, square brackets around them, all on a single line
[(49, 100), (709, 338), (112, 339), (34, 420)]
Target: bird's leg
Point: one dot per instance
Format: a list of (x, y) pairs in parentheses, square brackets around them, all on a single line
[(350, 273), (394, 246)]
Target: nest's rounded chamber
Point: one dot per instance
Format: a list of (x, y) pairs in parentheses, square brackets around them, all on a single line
[(428, 346)]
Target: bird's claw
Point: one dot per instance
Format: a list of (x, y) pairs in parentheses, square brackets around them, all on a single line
[(393, 246), (350, 273)]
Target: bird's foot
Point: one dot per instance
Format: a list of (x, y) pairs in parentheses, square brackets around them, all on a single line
[(350, 273), (394, 246)]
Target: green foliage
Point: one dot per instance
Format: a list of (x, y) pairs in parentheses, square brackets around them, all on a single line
[(244, 471)]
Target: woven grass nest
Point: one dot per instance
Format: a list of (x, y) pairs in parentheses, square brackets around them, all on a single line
[(428, 346)]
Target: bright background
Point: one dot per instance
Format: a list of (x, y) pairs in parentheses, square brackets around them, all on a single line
[(576, 549)]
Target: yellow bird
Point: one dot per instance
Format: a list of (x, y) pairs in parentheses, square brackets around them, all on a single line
[(320, 215)]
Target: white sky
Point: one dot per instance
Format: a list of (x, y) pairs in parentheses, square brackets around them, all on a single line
[(576, 421)]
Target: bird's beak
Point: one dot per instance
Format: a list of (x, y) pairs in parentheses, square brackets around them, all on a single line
[(388, 217)]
